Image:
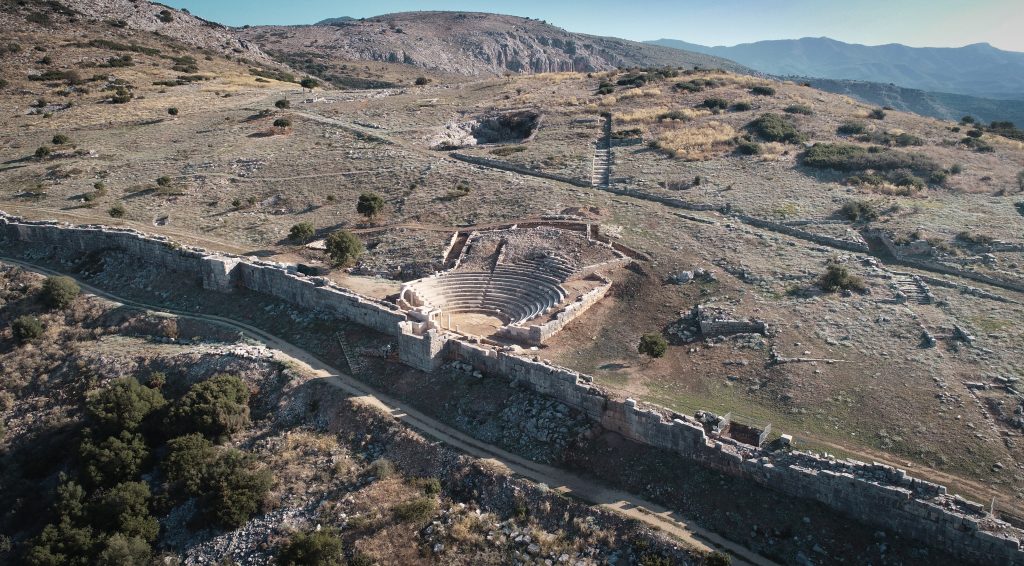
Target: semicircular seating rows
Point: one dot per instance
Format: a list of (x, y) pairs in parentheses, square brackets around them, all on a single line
[(510, 292)]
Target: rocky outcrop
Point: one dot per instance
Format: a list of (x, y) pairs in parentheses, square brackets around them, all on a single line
[(178, 25), (465, 43)]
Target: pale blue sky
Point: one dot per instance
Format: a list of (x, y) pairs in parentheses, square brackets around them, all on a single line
[(920, 23)]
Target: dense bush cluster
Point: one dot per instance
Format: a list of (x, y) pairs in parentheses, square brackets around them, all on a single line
[(103, 514), (837, 278), (875, 165), (775, 128), (858, 211)]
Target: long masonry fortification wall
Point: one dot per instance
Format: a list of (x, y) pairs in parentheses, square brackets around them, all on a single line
[(873, 493)]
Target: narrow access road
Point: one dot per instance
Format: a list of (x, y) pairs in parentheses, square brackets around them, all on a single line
[(627, 504)]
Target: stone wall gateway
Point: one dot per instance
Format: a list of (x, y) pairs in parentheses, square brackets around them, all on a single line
[(870, 492)]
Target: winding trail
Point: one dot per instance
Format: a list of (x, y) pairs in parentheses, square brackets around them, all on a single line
[(653, 515)]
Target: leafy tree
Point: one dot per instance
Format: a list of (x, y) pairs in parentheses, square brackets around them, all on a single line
[(301, 232), (27, 327), (283, 104), (282, 123), (309, 82), (316, 548), (653, 345), (186, 460), (343, 247), (60, 291), (123, 405), (115, 459), (124, 509), (232, 490), (121, 550), (369, 204), (838, 278), (215, 407), (62, 544)]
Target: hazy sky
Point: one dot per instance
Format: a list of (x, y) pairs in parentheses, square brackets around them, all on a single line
[(920, 23)]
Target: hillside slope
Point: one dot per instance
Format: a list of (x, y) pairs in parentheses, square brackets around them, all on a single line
[(935, 104), (976, 70), (468, 44), (178, 25)]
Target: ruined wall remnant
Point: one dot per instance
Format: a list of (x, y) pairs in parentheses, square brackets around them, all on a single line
[(869, 492)]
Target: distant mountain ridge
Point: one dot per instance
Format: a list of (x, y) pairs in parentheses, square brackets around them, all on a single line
[(975, 70), (470, 43)]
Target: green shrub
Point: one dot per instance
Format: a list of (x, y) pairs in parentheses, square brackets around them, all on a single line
[(124, 509), (715, 103), (60, 139), (42, 152), (877, 114), (763, 91), (26, 328), (186, 460), (117, 211), (283, 104), (309, 82), (775, 128), (967, 120), (64, 543), (673, 115), (418, 510), (215, 407), (748, 148), (166, 16), (799, 109), (653, 345), (163, 181), (282, 123), (301, 232), (421, 81), (978, 145), (113, 460), (232, 490), (121, 550), (320, 548), (846, 157), (1020, 177), (123, 405), (972, 239), (381, 468), (742, 107), (508, 150), (976, 133), (716, 558), (172, 111), (837, 278), (343, 247), (852, 127), (431, 486), (60, 291), (369, 204), (859, 211), (906, 140), (121, 96)]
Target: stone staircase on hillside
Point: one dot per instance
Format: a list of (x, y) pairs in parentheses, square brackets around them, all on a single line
[(600, 175), (913, 287)]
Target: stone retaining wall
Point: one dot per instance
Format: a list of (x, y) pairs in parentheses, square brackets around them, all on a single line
[(872, 493), (512, 167)]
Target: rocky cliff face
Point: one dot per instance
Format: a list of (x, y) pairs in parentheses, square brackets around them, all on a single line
[(178, 25), (470, 44)]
